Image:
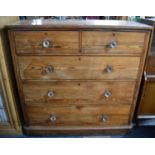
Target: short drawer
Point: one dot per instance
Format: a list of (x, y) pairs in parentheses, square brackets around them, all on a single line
[(46, 42), (78, 115), (100, 42), (78, 67), (79, 92)]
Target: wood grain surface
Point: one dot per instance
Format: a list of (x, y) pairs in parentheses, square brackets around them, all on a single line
[(79, 115), (98, 42), (67, 93), (60, 42), (78, 67)]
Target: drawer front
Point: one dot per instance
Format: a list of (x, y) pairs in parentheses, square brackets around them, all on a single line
[(78, 67), (46, 42), (78, 115), (151, 65), (61, 92), (99, 42)]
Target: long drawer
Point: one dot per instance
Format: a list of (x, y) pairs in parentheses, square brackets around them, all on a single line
[(98, 42), (78, 67), (79, 93), (47, 42), (101, 115)]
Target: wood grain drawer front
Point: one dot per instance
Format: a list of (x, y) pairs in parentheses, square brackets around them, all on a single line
[(112, 42), (78, 67), (78, 115), (46, 42), (61, 93)]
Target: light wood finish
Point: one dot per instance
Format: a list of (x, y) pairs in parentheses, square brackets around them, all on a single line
[(62, 93), (60, 42), (148, 103), (81, 67), (99, 42), (14, 126), (145, 109), (83, 115), (79, 92), (141, 71)]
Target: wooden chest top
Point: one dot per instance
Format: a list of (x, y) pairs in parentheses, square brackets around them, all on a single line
[(106, 24)]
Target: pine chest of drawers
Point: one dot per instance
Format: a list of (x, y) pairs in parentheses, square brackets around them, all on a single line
[(78, 76)]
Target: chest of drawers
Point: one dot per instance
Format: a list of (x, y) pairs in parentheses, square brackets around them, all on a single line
[(78, 76)]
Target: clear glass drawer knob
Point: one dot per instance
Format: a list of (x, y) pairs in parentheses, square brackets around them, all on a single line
[(113, 44), (104, 118), (50, 93), (109, 69), (46, 43), (107, 93), (53, 118), (48, 69)]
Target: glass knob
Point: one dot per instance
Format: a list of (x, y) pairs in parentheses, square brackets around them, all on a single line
[(109, 69), (104, 118), (46, 43), (48, 69), (50, 94), (107, 93), (113, 44), (53, 118)]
